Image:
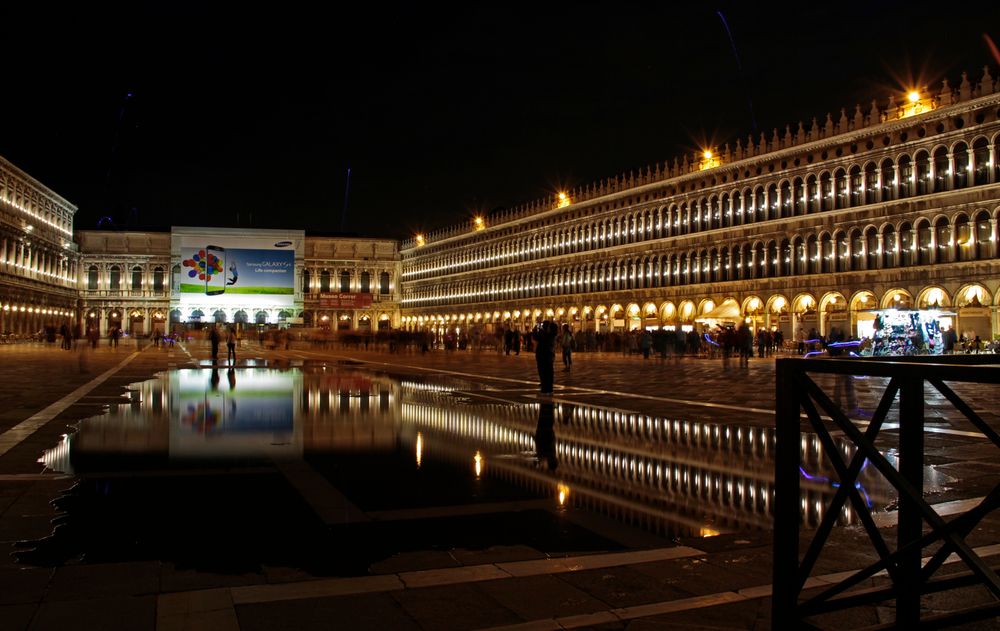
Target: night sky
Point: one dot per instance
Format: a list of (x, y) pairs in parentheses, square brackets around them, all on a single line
[(243, 118)]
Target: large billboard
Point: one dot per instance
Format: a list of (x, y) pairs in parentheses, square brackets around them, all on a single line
[(228, 270)]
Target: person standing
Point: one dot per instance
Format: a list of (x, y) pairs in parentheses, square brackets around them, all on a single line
[(214, 339), (567, 342), (544, 337), (231, 346)]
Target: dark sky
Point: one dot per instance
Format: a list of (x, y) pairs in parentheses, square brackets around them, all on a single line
[(240, 116)]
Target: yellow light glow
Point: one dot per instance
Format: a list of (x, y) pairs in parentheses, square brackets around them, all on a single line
[(563, 494), (478, 458), (420, 448), (709, 160), (709, 532), (914, 96), (564, 200), (420, 239), (480, 223)]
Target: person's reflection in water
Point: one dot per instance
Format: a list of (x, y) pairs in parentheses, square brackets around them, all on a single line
[(215, 379), (232, 378), (545, 435)]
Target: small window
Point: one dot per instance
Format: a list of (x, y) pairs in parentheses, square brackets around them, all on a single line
[(92, 278)]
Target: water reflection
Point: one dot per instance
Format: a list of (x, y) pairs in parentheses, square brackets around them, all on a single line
[(671, 476)]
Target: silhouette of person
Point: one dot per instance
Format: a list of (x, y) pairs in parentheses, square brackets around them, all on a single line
[(215, 379), (545, 435), (232, 378), (545, 348)]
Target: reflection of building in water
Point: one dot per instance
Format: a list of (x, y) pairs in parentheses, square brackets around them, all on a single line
[(667, 475), (350, 410)]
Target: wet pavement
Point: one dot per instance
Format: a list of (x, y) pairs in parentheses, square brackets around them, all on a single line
[(309, 488)]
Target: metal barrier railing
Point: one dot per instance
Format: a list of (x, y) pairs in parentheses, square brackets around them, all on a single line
[(798, 395)]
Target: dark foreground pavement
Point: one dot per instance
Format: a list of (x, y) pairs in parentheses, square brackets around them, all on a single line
[(649, 583)]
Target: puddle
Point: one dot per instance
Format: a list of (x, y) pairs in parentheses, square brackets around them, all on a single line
[(330, 468)]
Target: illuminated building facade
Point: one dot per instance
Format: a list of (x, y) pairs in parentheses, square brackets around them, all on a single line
[(38, 257), (889, 206), (132, 280)]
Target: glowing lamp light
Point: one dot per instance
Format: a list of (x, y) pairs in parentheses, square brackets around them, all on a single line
[(563, 494), (420, 448), (564, 200), (479, 223), (478, 459), (708, 160), (420, 239), (913, 96)]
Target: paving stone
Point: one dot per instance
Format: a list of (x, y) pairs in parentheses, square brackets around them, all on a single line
[(377, 612), (542, 597), (454, 607), (74, 582), (99, 614)]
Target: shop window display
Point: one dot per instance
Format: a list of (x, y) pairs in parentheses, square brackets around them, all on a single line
[(906, 332)]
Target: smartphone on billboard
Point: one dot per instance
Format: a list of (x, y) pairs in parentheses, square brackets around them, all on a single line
[(215, 267)]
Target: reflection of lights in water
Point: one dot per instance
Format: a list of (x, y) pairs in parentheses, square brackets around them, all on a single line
[(420, 448), (478, 458), (563, 491), (708, 532)]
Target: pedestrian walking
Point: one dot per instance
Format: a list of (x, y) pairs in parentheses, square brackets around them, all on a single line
[(567, 342), (214, 339), (544, 337), (231, 346)]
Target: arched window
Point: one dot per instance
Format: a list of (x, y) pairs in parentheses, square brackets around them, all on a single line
[(175, 278), (136, 278), (158, 279), (366, 283), (324, 281), (771, 262), (773, 210), (800, 258), (906, 242), (841, 262), (219, 316), (942, 170), (383, 283), (961, 154), (812, 195), (984, 237), (888, 180), (785, 257), (116, 279), (905, 177), (761, 262), (888, 247), (871, 184), (925, 255), (964, 242), (826, 254), (306, 281), (813, 254), (871, 245), (856, 186), (759, 204), (92, 278), (942, 234), (981, 158), (922, 173), (857, 250), (786, 199), (798, 197), (825, 192), (840, 189)]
